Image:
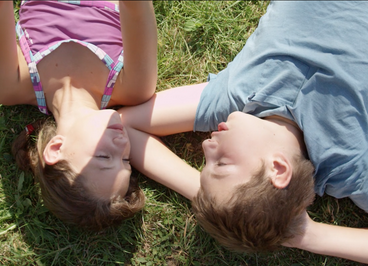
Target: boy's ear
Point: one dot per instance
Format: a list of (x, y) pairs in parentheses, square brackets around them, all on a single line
[(281, 171), (52, 153)]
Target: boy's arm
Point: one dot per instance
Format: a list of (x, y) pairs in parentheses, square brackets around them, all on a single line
[(153, 159), (167, 112), (139, 34), (331, 240)]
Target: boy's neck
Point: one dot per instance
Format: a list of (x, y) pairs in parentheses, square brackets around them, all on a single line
[(291, 130)]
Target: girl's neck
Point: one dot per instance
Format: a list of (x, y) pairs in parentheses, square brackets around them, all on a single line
[(69, 104)]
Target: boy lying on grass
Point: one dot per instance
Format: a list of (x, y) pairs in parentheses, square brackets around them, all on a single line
[(295, 105)]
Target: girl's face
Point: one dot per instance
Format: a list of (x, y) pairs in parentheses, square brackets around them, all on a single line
[(234, 153), (98, 148)]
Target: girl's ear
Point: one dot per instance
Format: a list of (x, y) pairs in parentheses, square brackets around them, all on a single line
[(281, 171), (52, 153)]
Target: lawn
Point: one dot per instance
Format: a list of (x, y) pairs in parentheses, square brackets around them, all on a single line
[(194, 39)]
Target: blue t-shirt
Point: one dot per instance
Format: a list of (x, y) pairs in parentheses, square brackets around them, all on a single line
[(307, 61)]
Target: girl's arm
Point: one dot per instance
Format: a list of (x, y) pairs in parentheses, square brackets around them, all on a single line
[(8, 45), (139, 33), (167, 112), (153, 159), (332, 240), (16, 87)]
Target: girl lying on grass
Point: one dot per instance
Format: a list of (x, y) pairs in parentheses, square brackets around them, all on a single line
[(290, 119), (70, 62)]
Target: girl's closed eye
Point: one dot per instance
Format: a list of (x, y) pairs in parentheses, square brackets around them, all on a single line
[(126, 160), (221, 164), (103, 156)]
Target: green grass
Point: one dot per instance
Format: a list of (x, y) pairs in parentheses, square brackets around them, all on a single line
[(194, 38)]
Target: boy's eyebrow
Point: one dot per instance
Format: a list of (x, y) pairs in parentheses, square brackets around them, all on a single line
[(216, 175)]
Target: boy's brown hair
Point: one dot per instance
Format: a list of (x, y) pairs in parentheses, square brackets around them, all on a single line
[(65, 193), (258, 217)]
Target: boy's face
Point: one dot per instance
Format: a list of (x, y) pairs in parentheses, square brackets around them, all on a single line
[(234, 153)]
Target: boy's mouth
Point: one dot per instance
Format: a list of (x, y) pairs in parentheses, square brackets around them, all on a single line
[(116, 127), (222, 126)]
